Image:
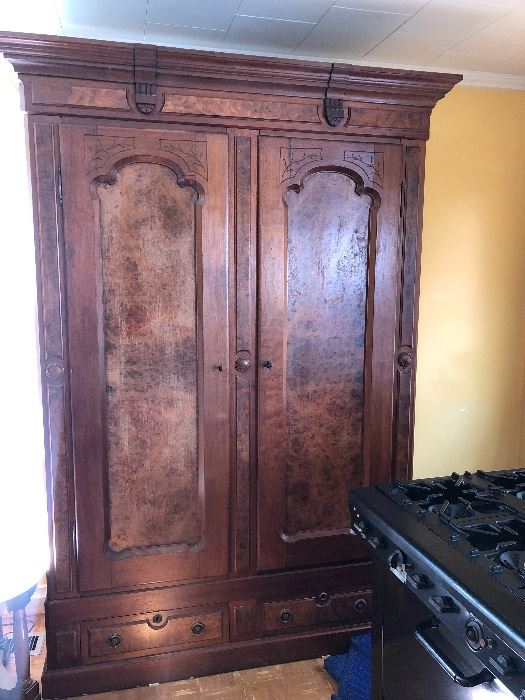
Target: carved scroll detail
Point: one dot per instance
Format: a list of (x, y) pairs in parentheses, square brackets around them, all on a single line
[(100, 148), (193, 153), (334, 111), (370, 164), (293, 159), (145, 58)]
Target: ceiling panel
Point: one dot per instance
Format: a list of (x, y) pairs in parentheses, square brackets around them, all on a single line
[(207, 14), (514, 66), (458, 62), (104, 17), (299, 10), (117, 33), (345, 33), (512, 20), (402, 6), (413, 49), (453, 19), (494, 42), (260, 34), (184, 36)]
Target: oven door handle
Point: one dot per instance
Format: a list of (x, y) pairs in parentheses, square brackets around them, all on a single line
[(446, 664)]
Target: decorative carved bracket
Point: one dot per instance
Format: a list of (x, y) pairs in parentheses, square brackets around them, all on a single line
[(334, 111), (145, 69)]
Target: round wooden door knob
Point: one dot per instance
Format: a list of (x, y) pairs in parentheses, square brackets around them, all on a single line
[(242, 364)]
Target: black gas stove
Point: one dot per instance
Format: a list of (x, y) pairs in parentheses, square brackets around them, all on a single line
[(449, 585)]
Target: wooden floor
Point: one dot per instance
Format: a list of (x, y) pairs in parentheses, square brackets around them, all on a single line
[(294, 681), (302, 679)]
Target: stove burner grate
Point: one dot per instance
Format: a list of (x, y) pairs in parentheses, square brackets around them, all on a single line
[(510, 481), (452, 498)]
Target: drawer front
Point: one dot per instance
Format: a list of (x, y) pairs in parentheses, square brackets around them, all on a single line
[(155, 632), (323, 609)]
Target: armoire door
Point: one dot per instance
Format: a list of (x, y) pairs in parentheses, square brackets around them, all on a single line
[(329, 218), (145, 230)]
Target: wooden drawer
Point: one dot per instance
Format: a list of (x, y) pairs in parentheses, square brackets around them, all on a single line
[(323, 609), (155, 632)]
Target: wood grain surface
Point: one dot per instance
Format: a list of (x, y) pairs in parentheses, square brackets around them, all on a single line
[(222, 358), (327, 255), (148, 239)]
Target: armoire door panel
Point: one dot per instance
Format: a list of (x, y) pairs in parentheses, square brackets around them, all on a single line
[(149, 296), (149, 403), (326, 251), (324, 242)]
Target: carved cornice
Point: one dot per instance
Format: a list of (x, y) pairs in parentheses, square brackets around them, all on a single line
[(390, 85), (107, 61)]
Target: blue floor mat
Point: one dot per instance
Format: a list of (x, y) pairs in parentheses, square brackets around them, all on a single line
[(352, 670)]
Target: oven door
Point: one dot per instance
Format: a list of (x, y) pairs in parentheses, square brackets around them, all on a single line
[(409, 656)]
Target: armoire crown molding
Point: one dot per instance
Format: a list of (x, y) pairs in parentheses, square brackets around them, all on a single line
[(100, 78)]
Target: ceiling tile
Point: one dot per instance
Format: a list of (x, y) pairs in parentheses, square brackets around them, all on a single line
[(514, 66), (113, 33), (504, 4), (412, 49), (407, 7), (255, 33), (512, 21), (453, 19), (347, 34), (298, 10), (192, 37), (118, 18), (207, 14), (494, 41), (458, 62)]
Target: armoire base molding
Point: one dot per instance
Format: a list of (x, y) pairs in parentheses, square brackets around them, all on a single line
[(253, 633), (163, 668)]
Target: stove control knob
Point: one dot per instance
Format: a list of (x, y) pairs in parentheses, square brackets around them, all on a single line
[(360, 527), (502, 664), (474, 635), (396, 560), (443, 604), (419, 581)]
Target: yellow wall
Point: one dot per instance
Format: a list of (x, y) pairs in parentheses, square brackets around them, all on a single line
[(470, 401)]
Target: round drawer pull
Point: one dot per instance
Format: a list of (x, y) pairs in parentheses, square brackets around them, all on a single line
[(322, 599), (286, 615), (114, 640), (198, 628), (360, 605)]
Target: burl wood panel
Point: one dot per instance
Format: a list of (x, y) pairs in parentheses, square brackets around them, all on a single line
[(328, 232), (149, 296)]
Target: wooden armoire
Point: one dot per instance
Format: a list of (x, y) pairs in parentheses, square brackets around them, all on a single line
[(227, 254)]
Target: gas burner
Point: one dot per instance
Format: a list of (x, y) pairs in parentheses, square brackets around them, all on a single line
[(452, 497), (428, 492), (514, 556), (503, 541), (514, 559), (488, 537), (507, 480)]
